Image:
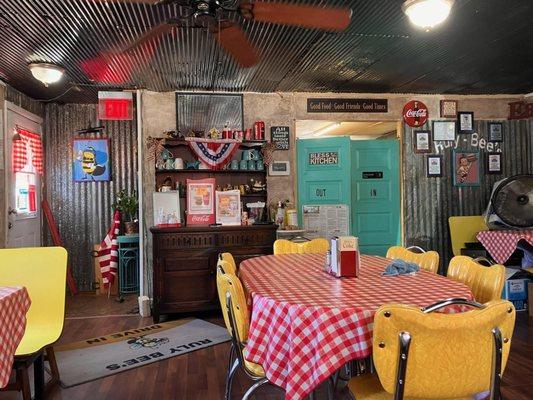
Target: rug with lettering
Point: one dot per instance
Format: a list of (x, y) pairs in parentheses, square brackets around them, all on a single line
[(98, 357)]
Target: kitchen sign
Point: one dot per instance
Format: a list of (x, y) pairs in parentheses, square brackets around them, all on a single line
[(279, 135), (324, 158), (347, 105)]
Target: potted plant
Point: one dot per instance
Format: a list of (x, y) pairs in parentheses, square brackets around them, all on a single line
[(128, 205)]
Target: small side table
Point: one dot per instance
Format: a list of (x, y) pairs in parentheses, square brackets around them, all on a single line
[(128, 264)]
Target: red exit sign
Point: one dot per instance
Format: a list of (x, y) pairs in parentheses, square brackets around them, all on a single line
[(117, 106)]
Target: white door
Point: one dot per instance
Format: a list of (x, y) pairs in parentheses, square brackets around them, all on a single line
[(23, 187)]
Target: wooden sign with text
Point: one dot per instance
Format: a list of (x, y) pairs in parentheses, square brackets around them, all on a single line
[(520, 110), (347, 105), (279, 135)]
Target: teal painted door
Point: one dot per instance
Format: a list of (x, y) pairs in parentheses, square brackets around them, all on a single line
[(323, 172), (375, 185)]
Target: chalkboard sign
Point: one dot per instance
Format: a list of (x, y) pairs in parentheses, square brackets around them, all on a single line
[(279, 135)]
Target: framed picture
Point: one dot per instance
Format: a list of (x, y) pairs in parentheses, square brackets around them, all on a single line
[(434, 166), (448, 108), (277, 168), (228, 206), (167, 212), (200, 201), (494, 163), (465, 121), (444, 130), (91, 160), (495, 132), (466, 170), (422, 141)]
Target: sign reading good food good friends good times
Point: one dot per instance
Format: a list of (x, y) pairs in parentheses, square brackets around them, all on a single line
[(347, 105)]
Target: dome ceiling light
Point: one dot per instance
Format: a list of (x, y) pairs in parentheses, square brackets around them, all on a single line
[(427, 14), (46, 73)]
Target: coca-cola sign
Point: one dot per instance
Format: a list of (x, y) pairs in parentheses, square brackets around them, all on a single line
[(415, 113)]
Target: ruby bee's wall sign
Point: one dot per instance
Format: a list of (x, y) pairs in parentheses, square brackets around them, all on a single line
[(415, 113)]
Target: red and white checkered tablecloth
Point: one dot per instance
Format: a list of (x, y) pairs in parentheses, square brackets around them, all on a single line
[(14, 304), (307, 324), (502, 244)]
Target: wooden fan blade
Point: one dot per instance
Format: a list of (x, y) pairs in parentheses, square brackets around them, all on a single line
[(153, 33), (149, 2), (306, 16), (234, 41)]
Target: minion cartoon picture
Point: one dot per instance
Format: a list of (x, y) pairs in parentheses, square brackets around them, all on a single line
[(91, 160)]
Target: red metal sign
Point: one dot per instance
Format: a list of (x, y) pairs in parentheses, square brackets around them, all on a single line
[(520, 110), (117, 106), (415, 113)]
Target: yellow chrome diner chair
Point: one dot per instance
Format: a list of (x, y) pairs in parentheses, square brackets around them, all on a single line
[(486, 283), (42, 270), (314, 246), (231, 267), (427, 260), (464, 229), (421, 354), (284, 246)]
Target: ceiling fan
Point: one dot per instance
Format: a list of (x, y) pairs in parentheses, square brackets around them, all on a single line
[(213, 14)]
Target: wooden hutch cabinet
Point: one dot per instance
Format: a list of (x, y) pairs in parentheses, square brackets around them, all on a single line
[(185, 262)]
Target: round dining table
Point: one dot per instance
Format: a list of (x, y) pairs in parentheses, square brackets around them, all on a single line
[(306, 324)]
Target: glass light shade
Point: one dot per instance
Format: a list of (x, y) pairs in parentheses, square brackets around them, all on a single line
[(427, 13), (46, 73)]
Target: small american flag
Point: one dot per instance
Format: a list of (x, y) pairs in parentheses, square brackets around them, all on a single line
[(108, 254)]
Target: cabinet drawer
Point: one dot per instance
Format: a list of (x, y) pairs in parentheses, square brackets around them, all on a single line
[(189, 286), (171, 241), (188, 260), (246, 238)]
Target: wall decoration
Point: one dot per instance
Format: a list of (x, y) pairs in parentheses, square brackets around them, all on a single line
[(228, 207), (167, 212), (520, 110), (444, 130), (200, 201), (347, 105), (494, 163), (434, 166), (278, 168), (415, 113), (466, 170), (91, 160), (324, 158), (214, 153), (448, 108), (422, 141), (465, 122), (495, 132), (279, 135)]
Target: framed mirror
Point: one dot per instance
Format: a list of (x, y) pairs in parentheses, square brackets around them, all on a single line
[(201, 112)]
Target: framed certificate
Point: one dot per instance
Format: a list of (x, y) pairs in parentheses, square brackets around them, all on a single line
[(495, 132), (422, 141), (465, 121), (444, 130), (434, 166), (494, 163)]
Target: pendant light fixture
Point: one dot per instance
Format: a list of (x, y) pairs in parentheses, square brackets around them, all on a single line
[(427, 14), (46, 73)]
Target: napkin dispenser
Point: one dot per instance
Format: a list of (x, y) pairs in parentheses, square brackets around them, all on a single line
[(345, 257)]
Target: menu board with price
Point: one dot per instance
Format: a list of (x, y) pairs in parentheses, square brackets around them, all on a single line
[(279, 135), (326, 221)]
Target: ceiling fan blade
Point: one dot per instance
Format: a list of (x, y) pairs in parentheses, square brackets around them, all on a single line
[(155, 32), (234, 41), (149, 2), (306, 16)]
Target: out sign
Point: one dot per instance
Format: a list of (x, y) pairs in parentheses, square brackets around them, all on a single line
[(320, 192)]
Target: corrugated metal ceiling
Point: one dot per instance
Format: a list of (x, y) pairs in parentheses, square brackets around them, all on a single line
[(485, 47)]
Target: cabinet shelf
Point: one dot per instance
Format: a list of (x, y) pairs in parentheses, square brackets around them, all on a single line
[(179, 142), (208, 171)]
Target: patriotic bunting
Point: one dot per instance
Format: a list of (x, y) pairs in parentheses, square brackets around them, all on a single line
[(215, 153)]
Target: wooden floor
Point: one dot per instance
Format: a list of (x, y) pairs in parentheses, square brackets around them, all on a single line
[(200, 375)]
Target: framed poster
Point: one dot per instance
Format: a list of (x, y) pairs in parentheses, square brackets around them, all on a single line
[(494, 163), (167, 209), (200, 201), (279, 135), (91, 160), (448, 108), (495, 132), (228, 207), (444, 130), (465, 122), (466, 170), (422, 141), (434, 166)]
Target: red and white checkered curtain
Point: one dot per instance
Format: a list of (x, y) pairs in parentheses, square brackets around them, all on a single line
[(20, 150)]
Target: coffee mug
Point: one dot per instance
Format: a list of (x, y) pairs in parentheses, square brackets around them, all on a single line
[(178, 163), (234, 164), (169, 164), (243, 165), (251, 165), (260, 165)]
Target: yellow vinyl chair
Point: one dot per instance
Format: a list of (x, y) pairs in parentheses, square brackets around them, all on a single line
[(419, 354), (486, 283), (231, 267), (464, 230), (233, 303), (284, 246), (42, 271), (427, 260), (314, 246)]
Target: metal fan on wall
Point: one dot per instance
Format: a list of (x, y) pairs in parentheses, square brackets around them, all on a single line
[(214, 15)]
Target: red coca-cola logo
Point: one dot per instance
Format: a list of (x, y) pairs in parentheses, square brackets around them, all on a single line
[(200, 218), (415, 113)]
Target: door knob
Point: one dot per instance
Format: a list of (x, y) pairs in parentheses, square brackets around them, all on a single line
[(12, 211), (9, 225)]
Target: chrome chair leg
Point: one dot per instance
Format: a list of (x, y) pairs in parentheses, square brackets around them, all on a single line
[(229, 380), (254, 387), (312, 395)]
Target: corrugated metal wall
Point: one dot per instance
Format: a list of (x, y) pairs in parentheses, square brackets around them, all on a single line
[(428, 202), (83, 210), (21, 100)]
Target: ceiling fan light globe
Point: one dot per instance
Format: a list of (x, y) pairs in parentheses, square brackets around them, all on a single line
[(46, 73), (427, 14)]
